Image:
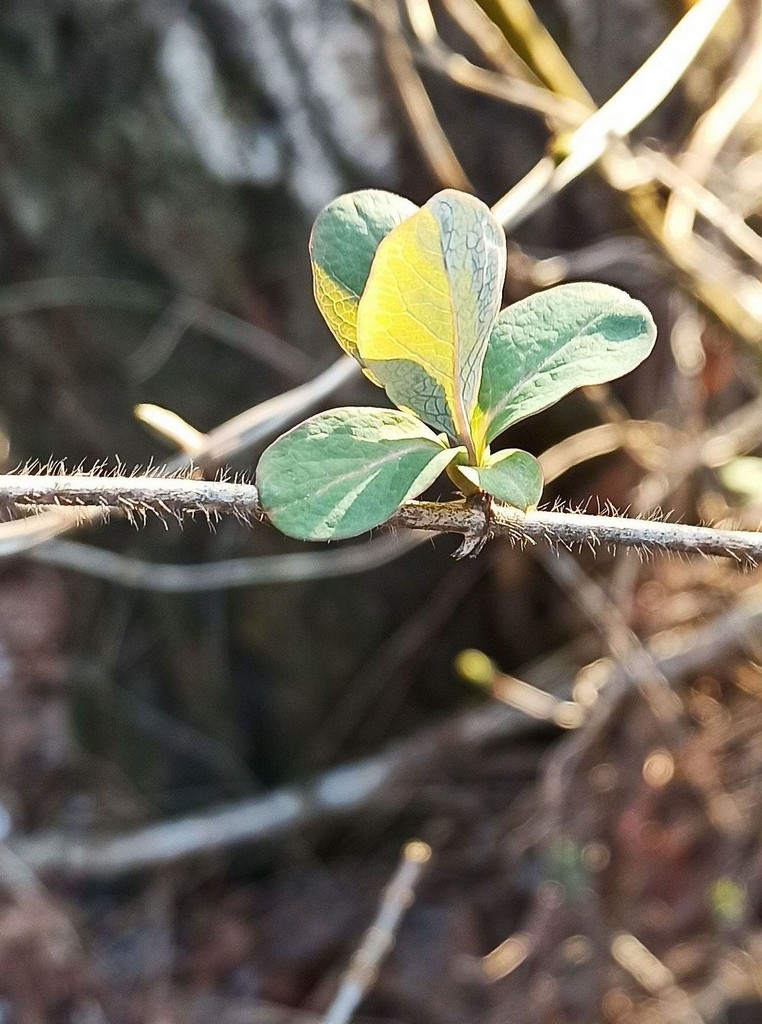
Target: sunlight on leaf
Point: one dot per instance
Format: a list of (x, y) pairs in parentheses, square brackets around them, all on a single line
[(342, 472), (414, 295), (428, 307), (512, 476), (553, 342), (343, 243)]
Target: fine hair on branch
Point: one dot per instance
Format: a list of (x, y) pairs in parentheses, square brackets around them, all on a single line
[(166, 495)]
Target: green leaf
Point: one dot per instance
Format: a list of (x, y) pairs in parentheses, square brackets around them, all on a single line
[(428, 308), (553, 342), (342, 472), (512, 476), (343, 242)]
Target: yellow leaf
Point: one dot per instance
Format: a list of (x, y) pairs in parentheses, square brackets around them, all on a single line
[(428, 307)]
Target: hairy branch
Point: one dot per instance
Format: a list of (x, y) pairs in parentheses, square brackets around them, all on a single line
[(165, 496), (233, 438), (574, 529), (138, 495)]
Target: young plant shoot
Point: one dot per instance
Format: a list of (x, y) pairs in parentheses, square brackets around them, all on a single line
[(414, 296)]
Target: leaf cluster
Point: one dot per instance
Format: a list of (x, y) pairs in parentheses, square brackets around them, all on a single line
[(414, 295)]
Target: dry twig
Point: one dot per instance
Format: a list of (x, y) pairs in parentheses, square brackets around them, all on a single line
[(226, 574), (344, 790), (379, 940), (626, 109), (429, 134)]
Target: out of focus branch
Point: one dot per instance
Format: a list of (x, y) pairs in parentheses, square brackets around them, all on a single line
[(504, 84), (730, 294), (26, 297), (597, 137), (429, 133), (626, 109), (345, 790), (379, 939), (259, 570), (235, 437), (711, 132)]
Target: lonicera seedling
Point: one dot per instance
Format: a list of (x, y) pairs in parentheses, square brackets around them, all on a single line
[(414, 296)]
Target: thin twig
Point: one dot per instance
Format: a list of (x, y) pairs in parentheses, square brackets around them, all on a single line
[(186, 312), (711, 207), (166, 578), (365, 709), (26, 297), (333, 794), (231, 439), (428, 132), (504, 84), (463, 72), (140, 716), (730, 294), (240, 434), (533, 43), (532, 701), (627, 108), (711, 132), (488, 38), (379, 939), (736, 434), (623, 643), (22, 885), (510, 954), (637, 437), (654, 977), (171, 427)]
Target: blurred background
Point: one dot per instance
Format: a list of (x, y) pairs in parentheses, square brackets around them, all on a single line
[(216, 746)]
